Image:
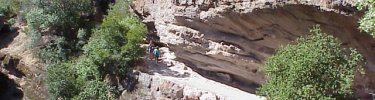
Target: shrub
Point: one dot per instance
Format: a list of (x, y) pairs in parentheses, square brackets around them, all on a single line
[(95, 90), (37, 20), (58, 17), (61, 81), (9, 7), (116, 44), (111, 49), (367, 22), (54, 52), (70, 14), (82, 37), (87, 70), (11, 21), (313, 68)]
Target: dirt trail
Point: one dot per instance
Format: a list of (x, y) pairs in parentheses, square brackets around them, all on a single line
[(170, 69)]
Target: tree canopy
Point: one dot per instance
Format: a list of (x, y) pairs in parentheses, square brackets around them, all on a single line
[(315, 67)]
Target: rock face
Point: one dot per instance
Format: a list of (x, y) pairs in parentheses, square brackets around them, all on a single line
[(154, 88), (229, 40), (24, 71)]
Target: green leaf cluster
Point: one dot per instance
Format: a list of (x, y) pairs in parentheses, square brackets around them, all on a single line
[(37, 21), (367, 22), (75, 80), (311, 68), (61, 81), (116, 44), (61, 18), (111, 50), (9, 7), (70, 14)]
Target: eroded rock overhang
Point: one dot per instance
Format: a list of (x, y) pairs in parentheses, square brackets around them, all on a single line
[(229, 40)]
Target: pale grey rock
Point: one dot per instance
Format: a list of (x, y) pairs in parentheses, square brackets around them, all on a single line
[(236, 37)]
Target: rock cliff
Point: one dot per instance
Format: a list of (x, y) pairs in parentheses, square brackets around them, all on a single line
[(172, 80), (21, 75), (229, 40)]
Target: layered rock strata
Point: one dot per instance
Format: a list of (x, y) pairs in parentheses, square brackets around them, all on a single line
[(229, 40)]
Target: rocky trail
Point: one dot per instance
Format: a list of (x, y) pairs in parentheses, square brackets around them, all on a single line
[(167, 79), (171, 79)]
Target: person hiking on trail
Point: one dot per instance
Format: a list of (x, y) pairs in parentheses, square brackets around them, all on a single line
[(150, 50), (156, 53)]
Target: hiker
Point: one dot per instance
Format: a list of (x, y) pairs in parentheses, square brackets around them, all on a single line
[(156, 53), (150, 50)]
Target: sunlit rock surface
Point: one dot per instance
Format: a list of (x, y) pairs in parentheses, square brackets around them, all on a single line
[(229, 40)]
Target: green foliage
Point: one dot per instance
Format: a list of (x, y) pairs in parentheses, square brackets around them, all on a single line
[(116, 44), (79, 81), (70, 14), (11, 21), (313, 68), (111, 49), (58, 17), (95, 90), (87, 70), (367, 22), (55, 52), (9, 7), (37, 20), (82, 37), (61, 81)]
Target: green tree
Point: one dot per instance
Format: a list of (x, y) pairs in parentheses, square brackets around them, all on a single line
[(59, 18), (367, 22), (70, 14), (37, 20), (54, 52), (311, 68), (95, 90), (111, 49), (116, 44), (61, 81)]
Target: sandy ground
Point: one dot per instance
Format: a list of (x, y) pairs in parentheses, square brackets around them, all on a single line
[(178, 72)]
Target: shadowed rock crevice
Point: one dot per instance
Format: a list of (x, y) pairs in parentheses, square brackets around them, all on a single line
[(7, 36), (9, 89)]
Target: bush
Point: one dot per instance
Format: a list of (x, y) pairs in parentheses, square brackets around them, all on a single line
[(70, 14), (37, 20), (367, 22), (313, 68), (9, 7), (116, 44), (11, 21), (54, 52), (95, 90), (82, 37), (87, 70), (111, 49), (61, 81), (58, 18)]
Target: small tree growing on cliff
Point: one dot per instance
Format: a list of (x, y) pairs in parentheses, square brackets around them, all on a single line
[(312, 68), (367, 22)]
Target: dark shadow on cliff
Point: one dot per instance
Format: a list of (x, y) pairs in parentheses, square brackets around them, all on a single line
[(130, 82), (7, 36), (10, 64), (9, 89)]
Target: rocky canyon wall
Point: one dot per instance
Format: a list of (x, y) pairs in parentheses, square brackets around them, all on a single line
[(229, 40)]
